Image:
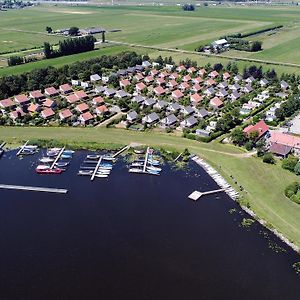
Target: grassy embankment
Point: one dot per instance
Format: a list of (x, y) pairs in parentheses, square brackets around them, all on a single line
[(264, 184)]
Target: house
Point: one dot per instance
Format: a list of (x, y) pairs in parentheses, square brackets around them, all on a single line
[(65, 88), (197, 80), (109, 93), (139, 68), (65, 114), (180, 68), (131, 70), (17, 114), (186, 78), (160, 105), (47, 113), (101, 110), (187, 110), (191, 70), (140, 87), (36, 95), (82, 107), (86, 118), (250, 80), (150, 119), (222, 93), (159, 91), (210, 82), (85, 85), (149, 79), (100, 89), (202, 72), (237, 78), (261, 127), (177, 95), (97, 101), (169, 121), (81, 95), (153, 72), (216, 103), (146, 64), (202, 113), (95, 77), (196, 88), (189, 122), (284, 85), (121, 94), (235, 87), (173, 107), (263, 82), (285, 139), (138, 77), (184, 86), (247, 89), (226, 76), (234, 96), (132, 116), (51, 92), (72, 99), (160, 81), (203, 132), (138, 99), (22, 99), (7, 104), (209, 92), (75, 82), (34, 108), (220, 45), (174, 76), (280, 149), (124, 83), (195, 99), (172, 84), (214, 74), (149, 102), (223, 85), (121, 73), (163, 74)]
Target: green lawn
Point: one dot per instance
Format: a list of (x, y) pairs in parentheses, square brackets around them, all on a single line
[(264, 184)]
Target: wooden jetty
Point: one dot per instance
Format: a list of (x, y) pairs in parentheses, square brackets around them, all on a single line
[(33, 188), (22, 148), (146, 160), (120, 151), (57, 158), (178, 157), (196, 194), (96, 168)]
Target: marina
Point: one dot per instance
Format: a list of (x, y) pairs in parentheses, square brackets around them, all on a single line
[(27, 149)]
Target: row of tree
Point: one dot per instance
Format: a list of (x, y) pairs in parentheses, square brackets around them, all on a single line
[(70, 46), (41, 78)]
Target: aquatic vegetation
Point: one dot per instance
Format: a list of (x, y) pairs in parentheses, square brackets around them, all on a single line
[(232, 210), (247, 222), (296, 267)]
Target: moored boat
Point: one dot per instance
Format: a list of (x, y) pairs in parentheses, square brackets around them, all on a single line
[(46, 160), (93, 156), (48, 171)]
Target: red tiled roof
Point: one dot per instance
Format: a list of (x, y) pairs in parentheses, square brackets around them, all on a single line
[(6, 103), (284, 139), (36, 94), (159, 90), (82, 107), (140, 86), (177, 94), (81, 94), (98, 100), (101, 109), (261, 127), (65, 87), (33, 107), (187, 78), (87, 116), (64, 114), (21, 98), (216, 102), (48, 103), (124, 82), (51, 91), (196, 98), (72, 98)]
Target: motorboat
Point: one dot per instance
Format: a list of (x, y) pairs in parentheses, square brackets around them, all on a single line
[(85, 172), (152, 168), (101, 175), (93, 156), (48, 170), (46, 160), (62, 164)]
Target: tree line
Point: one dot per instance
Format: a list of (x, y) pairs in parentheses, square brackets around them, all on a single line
[(41, 78), (70, 46)]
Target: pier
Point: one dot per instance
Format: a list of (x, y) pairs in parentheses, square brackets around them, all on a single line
[(57, 157), (146, 160), (22, 148), (120, 151), (96, 168), (196, 194), (33, 188), (2, 145), (178, 157)]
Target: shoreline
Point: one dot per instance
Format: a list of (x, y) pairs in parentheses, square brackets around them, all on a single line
[(230, 191)]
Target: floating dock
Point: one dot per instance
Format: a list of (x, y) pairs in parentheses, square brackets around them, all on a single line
[(33, 188), (57, 157), (96, 168), (196, 194), (22, 148)]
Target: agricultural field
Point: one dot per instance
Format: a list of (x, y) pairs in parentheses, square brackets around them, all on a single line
[(159, 26)]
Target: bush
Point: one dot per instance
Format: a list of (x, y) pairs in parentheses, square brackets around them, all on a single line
[(289, 163), (268, 158), (292, 191)]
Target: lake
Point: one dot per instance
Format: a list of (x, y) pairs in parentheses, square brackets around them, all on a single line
[(133, 236)]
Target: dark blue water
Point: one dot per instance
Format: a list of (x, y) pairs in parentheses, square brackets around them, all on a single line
[(132, 237)]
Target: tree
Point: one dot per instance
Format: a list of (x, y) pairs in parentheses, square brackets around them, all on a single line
[(268, 158), (73, 30), (218, 67), (238, 137), (188, 7), (15, 60), (256, 46), (49, 29), (297, 168), (289, 163), (47, 50)]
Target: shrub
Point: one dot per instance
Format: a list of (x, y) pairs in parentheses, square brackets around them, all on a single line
[(289, 163), (292, 191), (269, 158)]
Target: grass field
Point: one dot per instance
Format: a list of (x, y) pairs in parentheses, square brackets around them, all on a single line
[(166, 26), (264, 184)]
